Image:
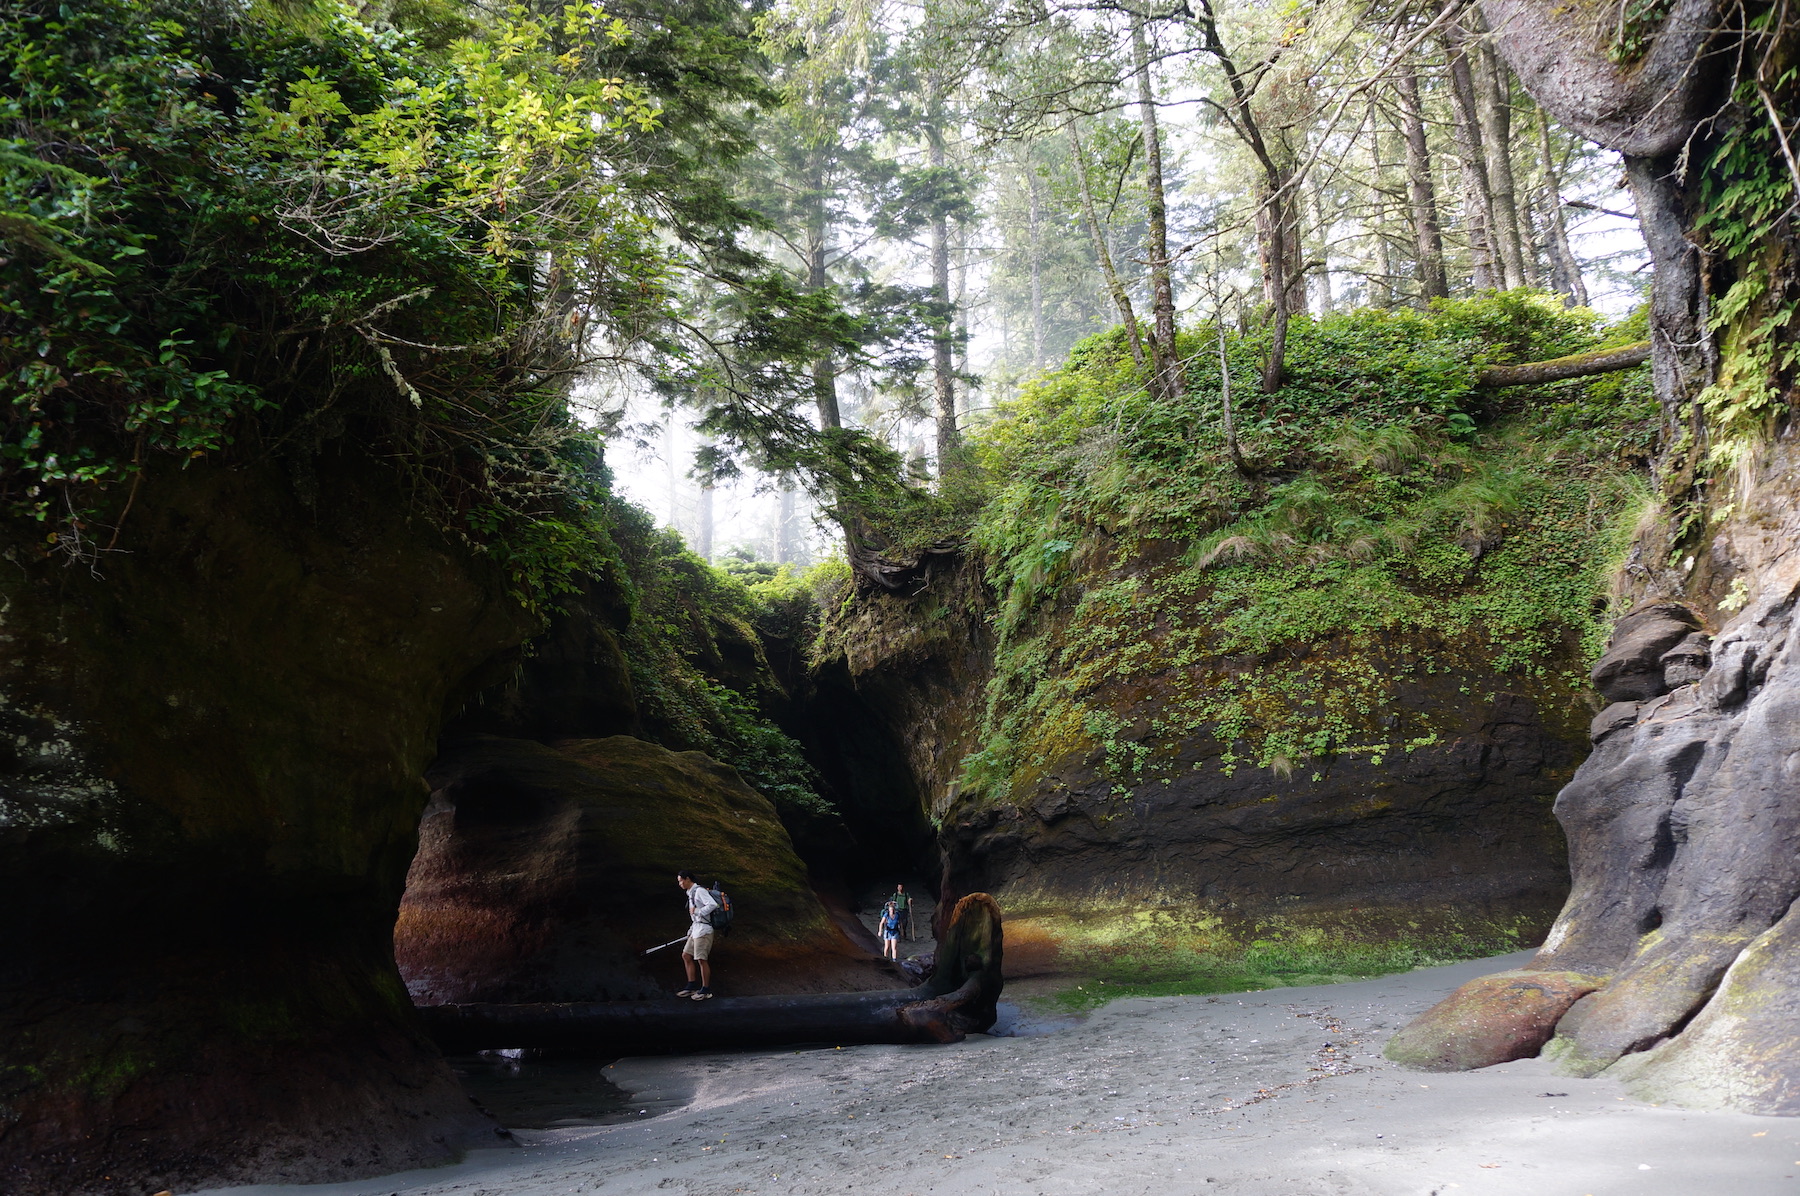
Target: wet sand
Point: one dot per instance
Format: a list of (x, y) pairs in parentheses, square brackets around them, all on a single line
[(1273, 1092)]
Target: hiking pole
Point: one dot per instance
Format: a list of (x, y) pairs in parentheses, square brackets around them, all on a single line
[(670, 943)]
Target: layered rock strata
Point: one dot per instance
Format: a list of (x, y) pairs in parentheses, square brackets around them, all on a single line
[(1683, 828)]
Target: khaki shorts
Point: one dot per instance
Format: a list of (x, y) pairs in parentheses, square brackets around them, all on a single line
[(699, 943)]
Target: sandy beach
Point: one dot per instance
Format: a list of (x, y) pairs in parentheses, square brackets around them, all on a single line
[(1282, 1091)]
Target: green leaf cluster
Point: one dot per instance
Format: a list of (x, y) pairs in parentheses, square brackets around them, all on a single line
[(268, 230), (699, 670)]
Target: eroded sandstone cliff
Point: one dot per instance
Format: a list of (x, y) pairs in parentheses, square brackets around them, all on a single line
[(544, 872), (1682, 829), (1119, 849), (1682, 822)]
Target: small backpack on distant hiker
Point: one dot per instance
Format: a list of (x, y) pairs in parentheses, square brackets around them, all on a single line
[(721, 916)]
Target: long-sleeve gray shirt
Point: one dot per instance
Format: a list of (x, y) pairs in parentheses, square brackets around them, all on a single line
[(700, 904)]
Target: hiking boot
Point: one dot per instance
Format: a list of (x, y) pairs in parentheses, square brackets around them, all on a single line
[(703, 994), (688, 991)]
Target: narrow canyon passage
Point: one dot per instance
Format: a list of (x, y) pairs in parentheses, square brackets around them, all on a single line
[(1258, 514)]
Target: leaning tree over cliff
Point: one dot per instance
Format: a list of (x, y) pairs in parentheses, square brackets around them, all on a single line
[(1675, 961)]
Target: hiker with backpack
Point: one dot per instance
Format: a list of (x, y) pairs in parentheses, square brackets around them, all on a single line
[(890, 933), (705, 914), (901, 900)]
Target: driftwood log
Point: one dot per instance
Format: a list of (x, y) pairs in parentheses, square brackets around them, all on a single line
[(958, 999), (1575, 365)]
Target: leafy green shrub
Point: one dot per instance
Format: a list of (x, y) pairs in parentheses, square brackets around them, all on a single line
[(695, 649), (255, 229)]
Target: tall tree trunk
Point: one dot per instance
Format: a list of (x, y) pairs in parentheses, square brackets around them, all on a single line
[(1389, 202), (1478, 208), (1421, 192), (1567, 269), (1090, 218), (1278, 242), (783, 548), (1384, 294), (824, 377), (824, 371), (1276, 233), (669, 471), (864, 558), (1037, 268), (1273, 222), (1493, 96), (1230, 426), (703, 518), (943, 350), (1534, 242), (1322, 239), (1682, 361), (1170, 383), (962, 321)]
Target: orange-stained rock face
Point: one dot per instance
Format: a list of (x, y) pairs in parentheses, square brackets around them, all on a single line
[(544, 872), (1495, 1019)]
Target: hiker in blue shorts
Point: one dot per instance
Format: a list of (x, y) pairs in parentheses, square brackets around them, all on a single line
[(890, 932)]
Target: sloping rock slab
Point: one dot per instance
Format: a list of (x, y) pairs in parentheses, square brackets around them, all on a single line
[(1495, 1019), (1739, 1052), (1632, 668)]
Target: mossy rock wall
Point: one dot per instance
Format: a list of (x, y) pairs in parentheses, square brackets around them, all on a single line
[(544, 872), (891, 706), (1231, 876), (214, 741), (1131, 835), (1134, 837)]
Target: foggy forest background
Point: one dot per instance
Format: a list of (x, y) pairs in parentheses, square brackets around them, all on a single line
[(982, 188)]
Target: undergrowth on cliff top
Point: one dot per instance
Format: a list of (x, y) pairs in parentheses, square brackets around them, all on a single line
[(698, 665), (1394, 525)]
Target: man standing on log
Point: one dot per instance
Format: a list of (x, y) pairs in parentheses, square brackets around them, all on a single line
[(697, 949)]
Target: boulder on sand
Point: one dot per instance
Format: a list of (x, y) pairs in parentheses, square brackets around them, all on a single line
[(1493, 1019)]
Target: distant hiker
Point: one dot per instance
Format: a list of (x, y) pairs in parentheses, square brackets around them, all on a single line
[(699, 943), (901, 900), (890, 932)]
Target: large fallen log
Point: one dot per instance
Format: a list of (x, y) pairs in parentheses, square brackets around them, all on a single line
[(960, 998), (1575, 365)]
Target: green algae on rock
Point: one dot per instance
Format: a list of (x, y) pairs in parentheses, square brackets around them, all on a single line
[(1493, 1019)]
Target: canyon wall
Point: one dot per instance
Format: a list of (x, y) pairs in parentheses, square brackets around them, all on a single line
[(544, 871), (213, 750), (1120, 844), (1671, 965)]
